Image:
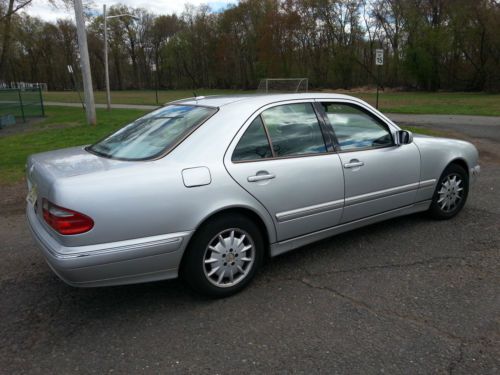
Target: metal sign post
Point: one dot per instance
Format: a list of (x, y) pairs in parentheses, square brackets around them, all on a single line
[(73, 79), (41, 100), (21, 104), (157, 79), (379, 61)]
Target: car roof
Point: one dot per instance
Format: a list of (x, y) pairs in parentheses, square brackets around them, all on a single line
[(261, 99)]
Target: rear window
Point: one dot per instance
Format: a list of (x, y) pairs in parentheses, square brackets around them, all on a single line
[(153, 134)]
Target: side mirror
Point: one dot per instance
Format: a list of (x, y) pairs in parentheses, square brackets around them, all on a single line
[(404, 137)]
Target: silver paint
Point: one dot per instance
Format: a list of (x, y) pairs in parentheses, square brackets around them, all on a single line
[(198, 176), (145, 212)]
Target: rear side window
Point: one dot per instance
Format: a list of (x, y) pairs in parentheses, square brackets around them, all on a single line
[(356, 129), (253, 144), (153, 134), (294, 130)]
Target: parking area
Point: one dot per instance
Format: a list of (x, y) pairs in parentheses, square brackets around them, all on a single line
[(410, 295)]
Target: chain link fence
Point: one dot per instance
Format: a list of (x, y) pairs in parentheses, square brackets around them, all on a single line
[(19, 104)]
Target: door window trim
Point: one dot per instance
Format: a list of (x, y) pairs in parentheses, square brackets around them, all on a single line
[(329, 144), (369, 113), (326, 128)]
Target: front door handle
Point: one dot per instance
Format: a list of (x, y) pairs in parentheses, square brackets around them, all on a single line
[(261, 177), (354, 163)]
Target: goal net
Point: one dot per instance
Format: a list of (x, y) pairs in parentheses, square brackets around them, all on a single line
[(283, 85)]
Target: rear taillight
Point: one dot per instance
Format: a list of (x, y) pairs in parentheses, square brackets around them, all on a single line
[(65, 221)]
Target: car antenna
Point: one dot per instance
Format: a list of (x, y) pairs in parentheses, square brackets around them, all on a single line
[(194, 93)]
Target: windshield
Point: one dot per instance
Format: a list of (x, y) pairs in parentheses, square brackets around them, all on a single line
[(152, 134)]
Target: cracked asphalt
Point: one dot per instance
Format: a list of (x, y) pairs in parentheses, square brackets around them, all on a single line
[(407, 296)]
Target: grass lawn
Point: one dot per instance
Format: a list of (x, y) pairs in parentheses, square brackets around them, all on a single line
[(63, 127), (436, 103), (391, 102)]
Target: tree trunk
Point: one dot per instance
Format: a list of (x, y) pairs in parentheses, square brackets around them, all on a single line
[(6, 43)]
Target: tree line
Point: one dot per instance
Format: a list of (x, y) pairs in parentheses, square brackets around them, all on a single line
[(428, 45)]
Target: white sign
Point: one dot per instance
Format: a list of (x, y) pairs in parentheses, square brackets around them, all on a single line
[(70, 69), (379, 57)]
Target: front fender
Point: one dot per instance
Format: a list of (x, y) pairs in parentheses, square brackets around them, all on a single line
[(437, 153)]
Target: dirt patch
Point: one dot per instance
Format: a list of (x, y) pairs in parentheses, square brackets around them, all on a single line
[(12, 198), (20, 127), (33, 125), (489, 152)]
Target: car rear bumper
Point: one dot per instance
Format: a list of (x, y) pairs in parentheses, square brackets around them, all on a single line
[(124, 262)]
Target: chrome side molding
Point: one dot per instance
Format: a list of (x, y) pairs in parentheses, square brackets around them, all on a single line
[(294, 243)]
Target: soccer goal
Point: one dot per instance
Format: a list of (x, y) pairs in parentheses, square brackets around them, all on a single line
[(283, 85)]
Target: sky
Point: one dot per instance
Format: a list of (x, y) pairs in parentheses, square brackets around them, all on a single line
[(44, 10)]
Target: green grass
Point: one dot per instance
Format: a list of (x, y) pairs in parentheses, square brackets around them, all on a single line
[(457, 103), (63, 127), (436, 103)]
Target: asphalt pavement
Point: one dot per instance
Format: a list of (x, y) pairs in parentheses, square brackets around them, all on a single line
[(483, 127), (407, 296)]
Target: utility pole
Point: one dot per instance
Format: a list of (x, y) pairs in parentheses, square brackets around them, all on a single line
[(85, 63), (106, 67)]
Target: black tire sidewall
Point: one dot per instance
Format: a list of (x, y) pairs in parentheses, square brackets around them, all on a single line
[(435, 209), (192, 265)]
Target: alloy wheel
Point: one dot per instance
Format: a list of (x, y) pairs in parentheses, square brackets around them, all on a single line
[(451, 193), (229, 257)]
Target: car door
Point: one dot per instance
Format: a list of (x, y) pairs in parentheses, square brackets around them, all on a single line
[(379, 175), (282, 158)]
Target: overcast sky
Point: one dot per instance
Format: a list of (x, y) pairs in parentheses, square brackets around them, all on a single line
[(43, 9)]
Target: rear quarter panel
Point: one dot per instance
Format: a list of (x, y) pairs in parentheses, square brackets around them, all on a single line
[(150, 198), (146, 201)]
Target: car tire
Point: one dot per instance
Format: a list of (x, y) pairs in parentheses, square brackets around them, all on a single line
[(451, 193), (223, 256)]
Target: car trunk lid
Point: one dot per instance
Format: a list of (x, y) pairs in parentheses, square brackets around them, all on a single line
[(45, 169)]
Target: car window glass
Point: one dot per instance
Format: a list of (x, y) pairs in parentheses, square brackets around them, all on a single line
[(253, 144), (153, 133), (356, 129), (294, 129)]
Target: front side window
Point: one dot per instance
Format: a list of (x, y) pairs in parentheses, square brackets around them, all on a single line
[(253, 145), (294, 130), (356, 129), (152, 134)]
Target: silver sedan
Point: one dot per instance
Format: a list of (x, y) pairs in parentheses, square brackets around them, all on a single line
[(208, 187)]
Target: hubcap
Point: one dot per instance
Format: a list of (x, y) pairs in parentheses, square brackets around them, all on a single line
[(229, 257), (451, 193)]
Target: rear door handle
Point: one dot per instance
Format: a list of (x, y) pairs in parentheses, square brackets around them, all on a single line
[(261, 177), (354, 164)]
